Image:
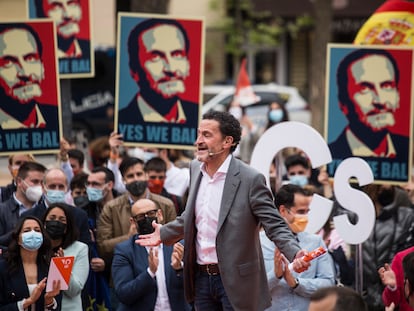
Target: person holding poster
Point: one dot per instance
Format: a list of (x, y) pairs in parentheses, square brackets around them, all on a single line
[(158, 62), (24, 268), (21, 74)]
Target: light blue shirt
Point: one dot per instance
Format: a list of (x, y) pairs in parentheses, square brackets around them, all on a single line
[(320, 274)]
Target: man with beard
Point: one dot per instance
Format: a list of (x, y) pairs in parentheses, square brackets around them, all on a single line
[(369, 97), (228, 202), (113, 225), (21, 76), (148, 278), (158, 62), (67, 15)]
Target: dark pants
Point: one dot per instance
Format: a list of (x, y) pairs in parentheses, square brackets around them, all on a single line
[(210, 294), (114, 299)]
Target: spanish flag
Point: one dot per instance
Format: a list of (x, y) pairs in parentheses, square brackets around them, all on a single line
[(391, 23)]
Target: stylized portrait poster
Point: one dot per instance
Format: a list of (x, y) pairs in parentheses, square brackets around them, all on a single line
[(30, 116), (73, 31), (159, 79), (369, 96)]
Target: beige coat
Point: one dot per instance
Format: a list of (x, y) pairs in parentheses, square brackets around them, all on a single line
[(113, 223)]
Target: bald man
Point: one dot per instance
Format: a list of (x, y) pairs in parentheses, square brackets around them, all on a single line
[(55, 186), (148, 277)]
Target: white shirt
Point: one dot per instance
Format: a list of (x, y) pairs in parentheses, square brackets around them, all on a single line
[(207, 211), (32, 307), (177, 180), (162, 303), (119, 185)]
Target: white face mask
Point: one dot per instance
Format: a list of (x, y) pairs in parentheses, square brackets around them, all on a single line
[(33, 193)]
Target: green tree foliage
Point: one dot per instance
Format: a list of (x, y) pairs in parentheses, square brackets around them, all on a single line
[(243, 26)]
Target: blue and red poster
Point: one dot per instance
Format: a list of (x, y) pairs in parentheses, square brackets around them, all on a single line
[(159, 79), (73, 32), (30, 111), (368, 108)]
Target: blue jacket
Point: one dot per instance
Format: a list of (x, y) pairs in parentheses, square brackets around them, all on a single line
[(13, 286), (135, 288), (9, 215)]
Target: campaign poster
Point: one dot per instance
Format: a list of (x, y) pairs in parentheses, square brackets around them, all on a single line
[(369, 95), (158, 91), (30, 110), (73, 32)]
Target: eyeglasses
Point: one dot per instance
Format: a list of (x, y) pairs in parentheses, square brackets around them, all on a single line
[(140, 217)]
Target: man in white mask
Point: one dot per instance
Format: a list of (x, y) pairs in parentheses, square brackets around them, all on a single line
[(54, 187), (289, 288), (28, 193)]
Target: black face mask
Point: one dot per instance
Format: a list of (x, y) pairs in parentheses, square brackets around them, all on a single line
[(145, 226), (386, 196), (137, 188), (81, 201), (55, 229)]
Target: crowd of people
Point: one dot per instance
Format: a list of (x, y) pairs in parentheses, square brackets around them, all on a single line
[(157, 229)]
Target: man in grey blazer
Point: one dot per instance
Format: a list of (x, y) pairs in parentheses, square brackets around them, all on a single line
[(228, 201)]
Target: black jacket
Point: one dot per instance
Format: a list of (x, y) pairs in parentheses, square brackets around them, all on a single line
[(393, 231)]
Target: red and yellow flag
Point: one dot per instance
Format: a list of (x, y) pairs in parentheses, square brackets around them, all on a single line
[(391, 23)]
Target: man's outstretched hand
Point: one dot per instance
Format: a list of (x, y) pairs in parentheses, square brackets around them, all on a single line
[(152, 239)]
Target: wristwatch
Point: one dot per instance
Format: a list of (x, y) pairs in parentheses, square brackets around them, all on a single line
[(296, 284)]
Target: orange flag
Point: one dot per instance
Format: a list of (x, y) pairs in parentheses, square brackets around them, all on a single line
[(244, 91), (60, 269)]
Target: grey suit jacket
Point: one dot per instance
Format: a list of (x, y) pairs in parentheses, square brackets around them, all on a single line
[(247, 203)]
